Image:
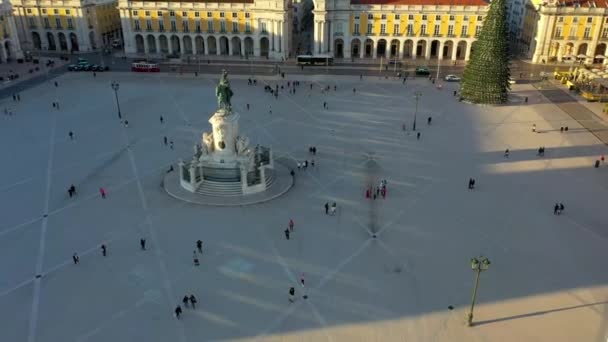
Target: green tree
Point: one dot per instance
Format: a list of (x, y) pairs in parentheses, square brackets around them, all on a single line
[(486, 76)]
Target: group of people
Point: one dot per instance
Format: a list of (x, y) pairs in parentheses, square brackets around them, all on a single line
[(186, 300), (379, 191), (330, 210), (541, 151), (471, 183), (558, 208)]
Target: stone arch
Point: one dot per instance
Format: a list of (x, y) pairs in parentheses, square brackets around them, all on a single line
[(369, 47), (600, 50), (355, 48), (187, 45), (554, 49), (163, 43), (339, 48), (248, 46), (381, 48), (448, 49), (264, 46), (139, 43), (461, 49), (408, 48), (199, 43), (212, 45), (74, 41), (63, 42), (435, 45), (37, 41), (224, 48), (394, 48), (151, 43), (236, 46), (92, 40), (421, 48), (569, 49), (175, 45), (51, 38), (582, 49)]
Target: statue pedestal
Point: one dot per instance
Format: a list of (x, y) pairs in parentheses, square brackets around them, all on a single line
[(225, 130)]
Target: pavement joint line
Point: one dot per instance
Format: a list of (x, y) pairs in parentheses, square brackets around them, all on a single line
[(33, 319), (88, 251), (170, 293), (332, 273), (84, 337)]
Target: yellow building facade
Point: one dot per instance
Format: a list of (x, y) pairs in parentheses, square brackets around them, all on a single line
[(570, 33), (71, 26), (10, 47), (400, 29), (237, 28)]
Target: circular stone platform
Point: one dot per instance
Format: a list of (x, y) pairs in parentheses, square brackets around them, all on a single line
[(282, 182)]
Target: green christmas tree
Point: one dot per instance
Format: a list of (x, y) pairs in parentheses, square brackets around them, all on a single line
[(486, 76)]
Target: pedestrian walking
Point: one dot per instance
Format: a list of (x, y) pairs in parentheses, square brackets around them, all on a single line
[(506, 155), (292, 294), (418, 136), (602, 158), (56, 84), (162, 120), (199, 246), (526, 99), (103, 250), (193, 301), (142, 243), (326, 208), (360, 76), (195, 259), (71, 135), (72, 190), (561, 208), (290, 225), (185, 301), (324, 104), (94, 74), (165, 140), (75, 258), (428, 121), (455, 92), (171, 144), (561, 129), (178, 311), (302, 279), (312, 162), (14, 98), (102, 192), (127, 123), (286, 234), (354, 91), (556, 209), (534, 128), (248, 106)]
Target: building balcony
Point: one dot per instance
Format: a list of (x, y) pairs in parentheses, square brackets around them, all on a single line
[(586, 38), (211, 31), (265, 33), (248, 31), (186, 31), (338, 34), (572, 38), (137, 29), (356, 33), (383, 34), (235, 31), (558, 37), (437, 35), (223, 31), (396, 34), (451, 35), (174, 30), (161, 29), (198, 30), (149, 30), (423, 35), (604, 38)]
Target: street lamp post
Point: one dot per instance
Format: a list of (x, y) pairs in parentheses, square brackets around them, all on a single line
[(115, 87), (478, 264), (417, 94)]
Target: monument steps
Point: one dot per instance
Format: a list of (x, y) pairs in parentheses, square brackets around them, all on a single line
[(228, 189)]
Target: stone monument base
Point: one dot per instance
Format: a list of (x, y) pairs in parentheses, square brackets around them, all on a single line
[(278, 182)]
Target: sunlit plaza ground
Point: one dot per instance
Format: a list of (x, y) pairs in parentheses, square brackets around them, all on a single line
[(547, 280)]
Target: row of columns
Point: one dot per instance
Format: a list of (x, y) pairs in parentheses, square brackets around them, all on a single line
[(182, 43), (402, 47)]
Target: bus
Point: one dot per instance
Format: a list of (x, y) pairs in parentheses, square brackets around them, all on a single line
[(315, 60), (144, 66)]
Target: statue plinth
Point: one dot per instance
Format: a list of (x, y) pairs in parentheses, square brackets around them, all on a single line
[(225, 130)]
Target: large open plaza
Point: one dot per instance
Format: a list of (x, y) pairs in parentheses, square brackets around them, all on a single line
[(385, 269)]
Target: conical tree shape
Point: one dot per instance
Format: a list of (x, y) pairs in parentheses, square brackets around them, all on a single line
[(486, 76)]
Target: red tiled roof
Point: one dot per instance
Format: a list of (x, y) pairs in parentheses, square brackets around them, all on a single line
[(572, 3), (422, 2)]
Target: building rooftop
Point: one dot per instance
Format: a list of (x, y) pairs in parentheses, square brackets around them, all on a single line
[(422, 2)]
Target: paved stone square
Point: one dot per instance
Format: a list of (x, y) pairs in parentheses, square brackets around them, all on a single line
[(547, 280)]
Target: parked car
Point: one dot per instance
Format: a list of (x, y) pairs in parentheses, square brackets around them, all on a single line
[(511, 80), (451, 78), (422, 71), (74, 67)]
